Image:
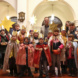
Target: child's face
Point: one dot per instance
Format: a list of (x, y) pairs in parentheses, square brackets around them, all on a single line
[(14, 38), (17, 27), (49, 34), (2, 32), (31, 33), (70, 39), (35, 34), (23, 31), (56, 33), (26, 40), (41, 41), (63, 33), (72, 27)]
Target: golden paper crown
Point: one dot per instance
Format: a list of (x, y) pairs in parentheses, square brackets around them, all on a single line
[(35, 30), (23, 27), (41, 35), (14, 33), (50, 31), (53, 27)]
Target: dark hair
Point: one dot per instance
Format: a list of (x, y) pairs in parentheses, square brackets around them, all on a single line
[(66, 22), (71, 35), (72, 24), (27, 38)]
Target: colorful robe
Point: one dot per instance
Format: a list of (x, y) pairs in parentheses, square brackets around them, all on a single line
[(70, 50), (3, 39), (37, 55), (53, 38), (21, 55), (62, 56), (75, 52), (21, 38), (9, 48), (55, 44)]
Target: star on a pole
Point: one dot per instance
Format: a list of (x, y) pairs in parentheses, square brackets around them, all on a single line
[(7, 23), (33, 20), (53, 26)]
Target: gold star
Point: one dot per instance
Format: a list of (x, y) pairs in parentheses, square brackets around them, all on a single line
[(33, 20), (7, 23), (53, 26)]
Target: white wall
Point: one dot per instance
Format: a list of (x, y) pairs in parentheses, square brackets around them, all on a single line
[(31, 6), (74, 5), (13, 3), (42, 8), (5, 10)]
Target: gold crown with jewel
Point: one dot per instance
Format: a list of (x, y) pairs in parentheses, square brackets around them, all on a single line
[(23, 27), (36, 31), (41, 36), (53, 27), (14, 33)]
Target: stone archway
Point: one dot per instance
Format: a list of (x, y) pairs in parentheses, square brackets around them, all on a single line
[(61, 10)]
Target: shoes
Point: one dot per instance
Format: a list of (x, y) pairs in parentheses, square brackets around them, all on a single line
[(73, 75), (21, 75), (10, 74), (69, 74), (15, 75), (30, 75), (59, 73), (1, 66), (40, 76), (53, 73), (47, 77), (35, 72)]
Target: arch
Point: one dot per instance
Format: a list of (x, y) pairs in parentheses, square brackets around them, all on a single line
[(55, 1), (13, 3), (4, 10), (9, 3), (63, 11)]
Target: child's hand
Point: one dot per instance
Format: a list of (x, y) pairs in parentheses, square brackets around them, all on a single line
[(6, 43), (45, 48), (58, 49), (40, 49)]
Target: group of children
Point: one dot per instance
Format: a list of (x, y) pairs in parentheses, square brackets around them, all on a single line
[(23, 52)]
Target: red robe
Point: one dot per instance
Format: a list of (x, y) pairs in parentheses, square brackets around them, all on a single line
[(37, 55), (21, 55)]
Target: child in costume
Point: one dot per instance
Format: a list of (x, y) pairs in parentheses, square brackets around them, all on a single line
[(62, 55), (35, 41), (31, 35), (11, 54), (25, 57), (42, 56), (3, 44), (22, 34), (70, 55), (56, 44)]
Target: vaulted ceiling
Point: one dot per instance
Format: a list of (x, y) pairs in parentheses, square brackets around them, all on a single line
[(5, 10), (60, 10)]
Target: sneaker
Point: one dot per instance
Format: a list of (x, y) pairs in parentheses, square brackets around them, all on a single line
[(10, 74), (30, 75), (69, 74), (40, 76)]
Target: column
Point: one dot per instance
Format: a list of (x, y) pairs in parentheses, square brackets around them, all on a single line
[(22, 7), (76, 22)]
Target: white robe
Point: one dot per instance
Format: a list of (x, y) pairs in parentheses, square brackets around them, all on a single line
[(75, 52)]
